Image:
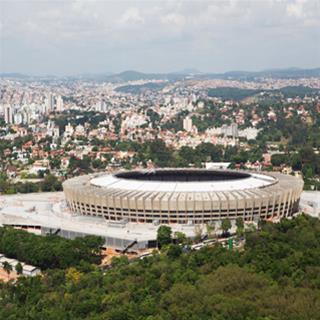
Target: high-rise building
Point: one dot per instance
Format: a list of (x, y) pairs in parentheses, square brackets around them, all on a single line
[(49, 101), (230, 131), (187, 124), (56, 132), (8, 114), (18, 118), (234, 130), (59, 104), (68, 131), (100, 106)]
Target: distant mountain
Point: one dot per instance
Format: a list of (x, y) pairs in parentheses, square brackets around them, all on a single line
[(14, 75), (28, 77), (292, 73), (188, 71), (231, 93), (91, 76), (137, 89), (236, 75), (132, 75)]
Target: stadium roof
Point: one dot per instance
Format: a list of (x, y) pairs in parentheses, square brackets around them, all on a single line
[(217, 181)]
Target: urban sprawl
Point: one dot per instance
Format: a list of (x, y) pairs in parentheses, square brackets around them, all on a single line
[(58, 128)]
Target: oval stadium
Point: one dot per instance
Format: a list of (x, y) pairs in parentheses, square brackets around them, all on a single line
[(183, 196)]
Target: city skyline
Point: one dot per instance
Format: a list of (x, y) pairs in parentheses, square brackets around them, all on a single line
[(75, 37)]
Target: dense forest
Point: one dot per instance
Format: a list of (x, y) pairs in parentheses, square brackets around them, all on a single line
[(49, 251), (140, 88), (276, 276), (49, 183), (227, 93)]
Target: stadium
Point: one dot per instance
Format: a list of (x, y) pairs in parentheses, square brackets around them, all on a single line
[(183, 196)]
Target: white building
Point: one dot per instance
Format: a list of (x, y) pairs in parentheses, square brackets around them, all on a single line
[(134, 121), (310, 203), (30, 271), (80, 130), (100, 106), (59, 104), (68, 131), (18, 118), (27, 270), (249, 133), (217, 165), (230, 131), (187, 124), (8, 114), (49, 102)]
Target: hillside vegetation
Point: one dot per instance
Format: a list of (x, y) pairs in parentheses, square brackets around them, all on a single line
[(275, 277), (51, 251)]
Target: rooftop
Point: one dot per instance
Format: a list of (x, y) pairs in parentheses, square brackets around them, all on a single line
[(49, 210), (183, 180)]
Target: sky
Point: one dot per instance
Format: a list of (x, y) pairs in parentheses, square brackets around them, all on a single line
[(85, 36)]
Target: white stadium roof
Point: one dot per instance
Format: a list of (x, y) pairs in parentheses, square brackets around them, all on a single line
[(253, 181)]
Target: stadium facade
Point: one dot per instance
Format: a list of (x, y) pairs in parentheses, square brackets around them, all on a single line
[(183, 196)]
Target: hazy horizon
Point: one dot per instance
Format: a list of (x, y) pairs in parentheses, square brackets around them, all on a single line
[(95, 37), (151, 72)]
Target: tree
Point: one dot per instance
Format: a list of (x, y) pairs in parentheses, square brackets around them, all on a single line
[(307, 171), (210, 229), (209, 152), (296, 162), (158, 152), (240, 226), (279, 266), (50, 251), (174, 251), (97, 164), (7, 268), (73, 275), (164, 236), (51, 183), (225, 225), (186, 155), (180, 237), (119, 261), (19, 268), (197, 233), (279, 159)]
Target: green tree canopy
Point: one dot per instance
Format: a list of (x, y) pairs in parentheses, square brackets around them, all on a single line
[(225, 225), (164, 236)]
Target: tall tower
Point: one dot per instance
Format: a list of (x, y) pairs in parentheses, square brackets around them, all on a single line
[(59, 105), (8, 114), (187, 124), (234, 130), (49, 103)]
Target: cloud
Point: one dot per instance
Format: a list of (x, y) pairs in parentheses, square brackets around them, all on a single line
[(174, 19), (158, 35), (131, 17), (296, 9)]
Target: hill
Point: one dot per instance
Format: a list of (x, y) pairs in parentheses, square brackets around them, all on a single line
[(275, 277), (230, 93), (132, 75)]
